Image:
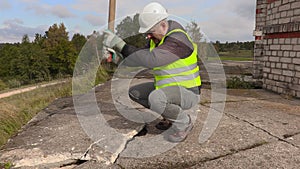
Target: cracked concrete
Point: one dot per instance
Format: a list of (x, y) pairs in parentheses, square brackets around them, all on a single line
[(258, 129)]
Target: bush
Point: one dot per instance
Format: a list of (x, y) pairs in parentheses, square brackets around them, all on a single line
[(84, 83), (102, 75), (3, 86), (239, 83), (7, 165), (13, 83)]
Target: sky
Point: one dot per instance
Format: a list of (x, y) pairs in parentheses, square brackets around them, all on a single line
[(223, 20)]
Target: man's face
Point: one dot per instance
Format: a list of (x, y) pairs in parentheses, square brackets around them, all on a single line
[(156, 32)]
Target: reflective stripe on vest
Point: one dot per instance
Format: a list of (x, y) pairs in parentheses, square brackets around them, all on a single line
[(183, 72)]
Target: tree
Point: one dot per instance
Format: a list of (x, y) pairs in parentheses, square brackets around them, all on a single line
[(25, 39), (29, 63), (204, 48), (39, 39), (194, 31), (48, 56), (128, 29), (7, 55), (217, 46), (78, 41), (61, 52)]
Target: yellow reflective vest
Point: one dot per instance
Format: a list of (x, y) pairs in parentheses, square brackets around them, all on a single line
[(183, 72)]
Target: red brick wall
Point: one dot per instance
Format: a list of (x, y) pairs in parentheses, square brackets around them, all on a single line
[(271, 1), (277, 51)]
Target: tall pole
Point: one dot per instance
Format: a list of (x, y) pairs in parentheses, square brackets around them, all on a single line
[(112, 15)]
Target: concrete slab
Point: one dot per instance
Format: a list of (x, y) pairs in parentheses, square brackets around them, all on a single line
[(47, 142), (273, 155), (237, 95), (94, 165), (231, 136), (293, 139), (279, 118), (59, 137), (258, 128)]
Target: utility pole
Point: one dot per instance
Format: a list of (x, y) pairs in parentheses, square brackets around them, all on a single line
[(112, 15)]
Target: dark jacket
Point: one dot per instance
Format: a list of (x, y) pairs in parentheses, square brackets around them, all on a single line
[(176, 46)]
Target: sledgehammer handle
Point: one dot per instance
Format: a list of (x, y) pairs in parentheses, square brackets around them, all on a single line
[(111, 15)]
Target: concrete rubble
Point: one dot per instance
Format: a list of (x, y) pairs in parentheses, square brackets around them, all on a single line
[(258, 129)]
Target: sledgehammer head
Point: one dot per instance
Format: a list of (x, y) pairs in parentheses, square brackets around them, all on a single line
[(111, 55)]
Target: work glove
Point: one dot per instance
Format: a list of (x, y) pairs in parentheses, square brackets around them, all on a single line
[(111, 55), (111, 40)]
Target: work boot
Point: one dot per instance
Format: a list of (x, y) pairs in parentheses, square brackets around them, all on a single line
[(179, 135), (163, 124)]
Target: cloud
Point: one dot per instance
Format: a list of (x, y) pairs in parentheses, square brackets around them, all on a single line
[(224, 29), (126, 8), (38, 9), (4, 5), (61, 11), (224, 20), (29, 1), (227, 20), (230, 20), (13, 21), (245, 9), (13, 30), (95, 20), (45, 9), (92, 6), (176, 7), (76, 29)]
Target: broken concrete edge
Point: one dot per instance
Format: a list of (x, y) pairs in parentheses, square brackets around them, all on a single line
[(40, 160), (59, 160), (63, 160), (129, 136), (114, 157)]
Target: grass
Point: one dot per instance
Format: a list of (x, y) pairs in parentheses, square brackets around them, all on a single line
[(240, 55), (7, 165), (224, 58), (31, 85), (17, 110)]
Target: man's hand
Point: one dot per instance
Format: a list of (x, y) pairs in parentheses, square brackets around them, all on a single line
[(111, 40), (111, 55)]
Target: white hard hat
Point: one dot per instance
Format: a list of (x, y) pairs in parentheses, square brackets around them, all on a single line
[(151, 15)]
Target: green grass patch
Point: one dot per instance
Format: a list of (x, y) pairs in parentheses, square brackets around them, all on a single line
[(7, 165), (239, 55), (17, 110), (227, 58)]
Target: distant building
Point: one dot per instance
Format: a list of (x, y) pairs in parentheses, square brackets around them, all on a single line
[(277, 46)]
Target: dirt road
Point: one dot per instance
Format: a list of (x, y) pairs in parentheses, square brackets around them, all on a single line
[(18, 91)]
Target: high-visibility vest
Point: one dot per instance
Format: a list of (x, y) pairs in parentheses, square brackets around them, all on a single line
[(183, 72)]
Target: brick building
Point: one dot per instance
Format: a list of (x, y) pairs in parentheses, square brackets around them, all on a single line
[(277, 46)]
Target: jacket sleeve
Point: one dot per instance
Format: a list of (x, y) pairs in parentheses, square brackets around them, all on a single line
[(176, 46), (128, 50)]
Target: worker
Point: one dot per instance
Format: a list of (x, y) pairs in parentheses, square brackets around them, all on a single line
[(173, 57)]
